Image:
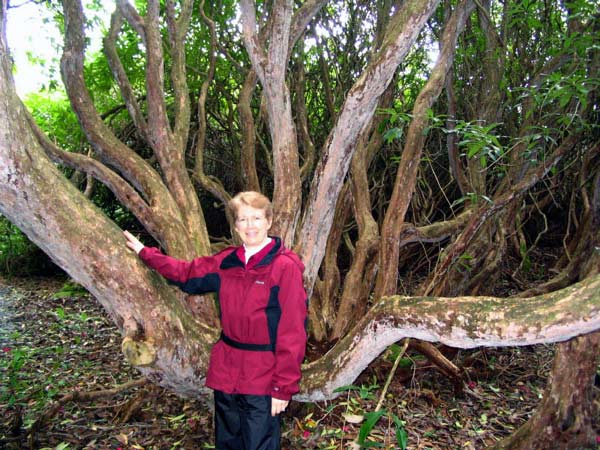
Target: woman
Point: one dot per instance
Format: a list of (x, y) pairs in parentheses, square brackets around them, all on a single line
[(254, 368)]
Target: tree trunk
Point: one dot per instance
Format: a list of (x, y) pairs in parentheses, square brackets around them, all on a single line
[(563, 420)]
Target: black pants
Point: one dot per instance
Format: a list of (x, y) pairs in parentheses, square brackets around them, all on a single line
[(244, 422)]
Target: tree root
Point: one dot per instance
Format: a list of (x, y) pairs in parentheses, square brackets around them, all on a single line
[(78, 396), (130, 408)]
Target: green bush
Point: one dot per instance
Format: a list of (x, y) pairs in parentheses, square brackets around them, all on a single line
[(19, 256)]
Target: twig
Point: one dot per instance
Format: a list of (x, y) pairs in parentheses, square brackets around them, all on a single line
[(392, 372)]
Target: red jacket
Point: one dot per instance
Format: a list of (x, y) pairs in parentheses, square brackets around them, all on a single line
[(262, 302)]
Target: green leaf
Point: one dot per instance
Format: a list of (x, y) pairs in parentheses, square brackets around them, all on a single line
[(371, 419), (392, 134), (60, 313), (401, 434)]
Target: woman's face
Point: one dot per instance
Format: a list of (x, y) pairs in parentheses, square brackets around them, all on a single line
[(252, 225)]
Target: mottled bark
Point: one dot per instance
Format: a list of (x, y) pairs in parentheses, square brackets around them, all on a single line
[(462, 322), (270, 65), (169, 144), (123, 191), (110, 149), (38, 199), (248, 151)]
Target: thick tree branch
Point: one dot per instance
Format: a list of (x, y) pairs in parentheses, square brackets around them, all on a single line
[(169, 147), (270, 66), (462, 322), (178, 27), (123, 191), (255, 50), (159, 127), (110, 149)]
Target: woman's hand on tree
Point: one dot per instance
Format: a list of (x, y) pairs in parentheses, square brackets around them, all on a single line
[(132, 242), (278, 406)]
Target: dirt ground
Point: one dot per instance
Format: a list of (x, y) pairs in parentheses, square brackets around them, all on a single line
[(57, 344)]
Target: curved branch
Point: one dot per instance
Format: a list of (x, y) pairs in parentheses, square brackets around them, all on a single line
[(357, 283), (210, 184), (110, 149), (169, 147), (462, 322), (435, 232), (133, 18), (302, 18), (123, 191), (178, 27), (252, 43), (118, 71)]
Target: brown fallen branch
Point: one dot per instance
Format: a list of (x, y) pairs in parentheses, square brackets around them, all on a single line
[(79, 396), (443, 364)]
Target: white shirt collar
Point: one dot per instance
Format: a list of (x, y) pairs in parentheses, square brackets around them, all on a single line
[(248, 252)]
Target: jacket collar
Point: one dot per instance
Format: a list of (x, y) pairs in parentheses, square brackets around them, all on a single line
[(233, 260)]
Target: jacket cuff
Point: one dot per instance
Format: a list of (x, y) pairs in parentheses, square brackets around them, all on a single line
[(144, 252), (278, 393)]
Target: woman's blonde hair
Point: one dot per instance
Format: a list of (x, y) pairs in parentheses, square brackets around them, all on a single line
[(252, 199)]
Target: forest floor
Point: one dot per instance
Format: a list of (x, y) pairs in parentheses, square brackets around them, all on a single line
[(56, 340)]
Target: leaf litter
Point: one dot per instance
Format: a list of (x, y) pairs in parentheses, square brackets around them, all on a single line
[(52, 345)]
